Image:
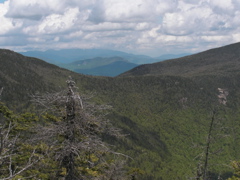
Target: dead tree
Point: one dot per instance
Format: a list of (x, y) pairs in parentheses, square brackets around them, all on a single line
[(209, 137), (1, 90), (203, 167), (75, 133)]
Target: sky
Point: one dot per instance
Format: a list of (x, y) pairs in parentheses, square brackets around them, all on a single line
[(150, 27)]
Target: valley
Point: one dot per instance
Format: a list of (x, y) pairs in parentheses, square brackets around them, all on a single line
[(164, 108), (97, 62)]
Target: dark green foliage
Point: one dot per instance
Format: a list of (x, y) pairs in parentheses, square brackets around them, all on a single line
[(21, 77), (217, 61), (236, 167), (18, 156), (165, 110)]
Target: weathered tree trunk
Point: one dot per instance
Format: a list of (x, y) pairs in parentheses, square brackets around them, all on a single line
[(78, 135), (205, 170), (1, 90), (70, 134)]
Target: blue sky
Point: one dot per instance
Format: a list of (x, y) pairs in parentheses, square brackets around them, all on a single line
[(151, 27)]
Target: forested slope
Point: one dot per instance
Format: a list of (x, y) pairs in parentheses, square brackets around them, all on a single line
[(166, 117), (214, 61)]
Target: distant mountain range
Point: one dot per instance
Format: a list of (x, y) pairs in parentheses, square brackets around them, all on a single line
[(71, 55), (111, 66), (98, 62)]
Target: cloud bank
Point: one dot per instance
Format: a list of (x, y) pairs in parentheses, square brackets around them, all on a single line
[(150, 27)]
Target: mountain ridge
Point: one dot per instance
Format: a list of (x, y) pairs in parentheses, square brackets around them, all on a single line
[(66, 58), (71, 55), (100, 66), (111, 70), (213, 61)]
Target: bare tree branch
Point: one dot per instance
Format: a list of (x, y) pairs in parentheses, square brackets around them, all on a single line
[(1, 90), (7, 147), (76, 133)]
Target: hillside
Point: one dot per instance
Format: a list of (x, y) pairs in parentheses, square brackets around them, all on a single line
[(166, 117), (99, 66), (22, 76), (215, 61)]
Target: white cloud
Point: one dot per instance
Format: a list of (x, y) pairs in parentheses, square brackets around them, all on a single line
[(7, 24), (215, 38), (130, 11), (34, 9), (36, 40), (222, 6), (75, 34), (163, 6), (56, 23), (107, 26), (236, 37), (137, 25)]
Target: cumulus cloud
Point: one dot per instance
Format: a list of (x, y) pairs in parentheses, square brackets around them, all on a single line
[(187, 20), (139, 26), (7, 25), (33, 9), (130, 11), (56, 23), (222, 6)]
